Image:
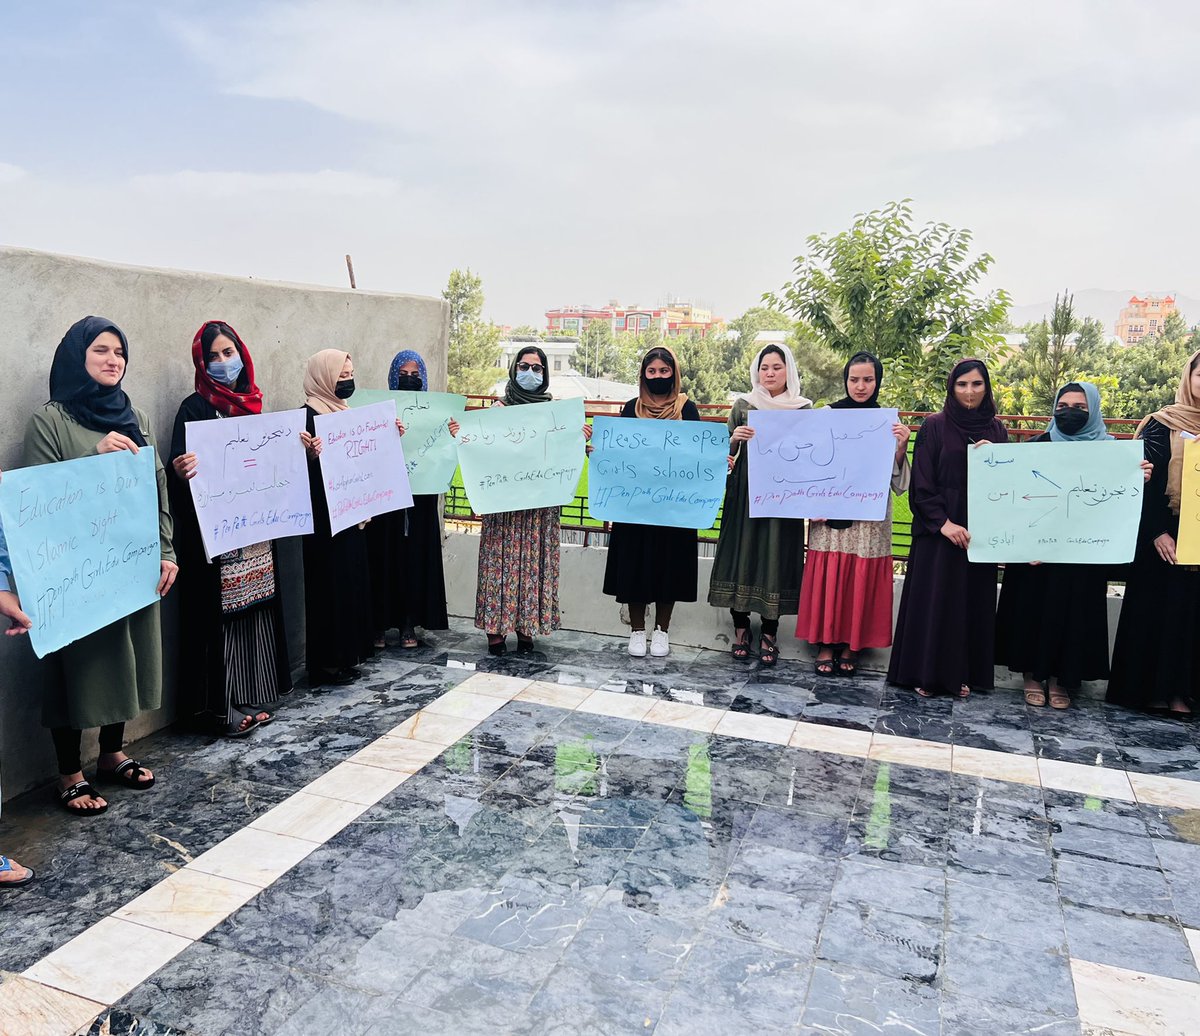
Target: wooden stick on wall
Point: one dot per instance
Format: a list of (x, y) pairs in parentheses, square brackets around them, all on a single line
[(350, 269)]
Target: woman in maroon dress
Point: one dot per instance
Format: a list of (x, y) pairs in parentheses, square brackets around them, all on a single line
[(944, 639)]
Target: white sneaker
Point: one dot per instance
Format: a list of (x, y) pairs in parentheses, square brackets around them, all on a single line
[(637, 643), (659, 644)]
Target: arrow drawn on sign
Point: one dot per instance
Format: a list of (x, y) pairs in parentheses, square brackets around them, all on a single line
[(1038, 474), (1036, 520), (1044, 496)]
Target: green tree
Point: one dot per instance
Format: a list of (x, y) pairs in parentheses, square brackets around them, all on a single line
[(597, 355), (526, 331), (702, 370), (1051, 355), (1174, 329), (474, 355), (908, 295)]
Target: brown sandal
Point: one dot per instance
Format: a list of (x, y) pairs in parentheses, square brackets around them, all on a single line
[(1059, 699), (1035, 697)]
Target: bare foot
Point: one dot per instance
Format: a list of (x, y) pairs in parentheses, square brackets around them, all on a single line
[(15, 873)]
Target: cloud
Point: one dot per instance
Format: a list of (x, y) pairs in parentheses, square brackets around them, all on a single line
[(228, 184), (10, 173)]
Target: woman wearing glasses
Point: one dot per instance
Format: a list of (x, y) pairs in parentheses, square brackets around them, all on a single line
[(519, 550)]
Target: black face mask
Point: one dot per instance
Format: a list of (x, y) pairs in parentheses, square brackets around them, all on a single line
[(408, 382), (660, 386), (345, 389), (1069, 420)]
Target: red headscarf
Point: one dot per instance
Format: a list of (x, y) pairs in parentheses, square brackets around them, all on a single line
[(224, 397)]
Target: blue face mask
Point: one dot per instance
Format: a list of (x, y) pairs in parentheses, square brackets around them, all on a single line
[(530, 381), (226, 372)]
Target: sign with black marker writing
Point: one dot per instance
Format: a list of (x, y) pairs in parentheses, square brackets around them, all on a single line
[(430, 451), (1077, 502), (821, 463), (251, 481), (83, 540)]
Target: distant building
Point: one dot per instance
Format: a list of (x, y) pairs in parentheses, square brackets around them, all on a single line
[(1144, 317), (675, 317), (568, 384), (558, 351)]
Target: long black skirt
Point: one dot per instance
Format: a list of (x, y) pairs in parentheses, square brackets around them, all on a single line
[(337, 600), (648, 563), (1156, 657), (408, 585), (1052, 621), (945, 632)]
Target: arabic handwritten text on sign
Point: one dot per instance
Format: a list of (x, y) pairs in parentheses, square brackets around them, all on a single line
[(516, 458), (362, 464), (251, 480), (821, 463), (430, 451), (1077, 502), (83, 537), (657, 472), (1187, 550)]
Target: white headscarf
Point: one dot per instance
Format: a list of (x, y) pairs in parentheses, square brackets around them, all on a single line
[(790, 399)]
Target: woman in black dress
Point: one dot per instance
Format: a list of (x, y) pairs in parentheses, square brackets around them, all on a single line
[(337, 583), (408, 587), (233, 661), (1156, 659), (1052, 622), (653, 562), (945, 630)]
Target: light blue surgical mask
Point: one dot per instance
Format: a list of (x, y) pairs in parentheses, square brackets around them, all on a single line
[(226, 372), (530, 381)]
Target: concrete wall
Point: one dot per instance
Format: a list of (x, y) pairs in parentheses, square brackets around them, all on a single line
[(584, 607), (41, 295)]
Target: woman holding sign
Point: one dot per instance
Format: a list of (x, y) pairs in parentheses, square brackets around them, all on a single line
[(846, 601), (519, 550), (945, 632), (233, 659), (1052, 621), (113, 675), (337, 587), (759, 561), (653, 562), (1156, 658), (408, 587)]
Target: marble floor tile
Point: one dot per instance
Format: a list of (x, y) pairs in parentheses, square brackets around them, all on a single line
[(1088, 780), (876, 940), (1113, 886), (931, 755), (1013, 910), (1193, 937), (494, 685), (1136, 944), (463, 704), (33, 925), (1126, 1001), (821, 738), (680, 714), (968, 1015), (254, 857), (918, 892), (848, 1001), (431, 728), (756, 728), (812, 834), (1165, 791), (314, 818), (633, 945), (1000, 766), (618, 706), (1008, 974), (558, 695), (109, 959), (188, 903), (589, 1001), (985, 859), (354, 782), (402, 754), (28, 1008)]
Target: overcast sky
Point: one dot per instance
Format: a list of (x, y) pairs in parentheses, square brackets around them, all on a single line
[(571, 152)]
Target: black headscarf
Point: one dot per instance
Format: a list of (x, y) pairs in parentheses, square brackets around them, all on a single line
[(98, 407), (514, 394), (847, 403), (970, 422)]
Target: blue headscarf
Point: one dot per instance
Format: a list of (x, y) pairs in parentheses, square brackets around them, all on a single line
[(400, 359), (1095, 429)]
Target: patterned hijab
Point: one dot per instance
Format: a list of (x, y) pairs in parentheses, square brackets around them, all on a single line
[(790, 398), (665, 408), (1095, 428), (399, 360), (232, 400), (101, 408), (321, 378), (1181, 416)]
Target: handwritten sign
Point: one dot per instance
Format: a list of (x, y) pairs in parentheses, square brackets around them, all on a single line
[(515, 458), (83, 538), (251, 480), (821, 463), (1076, 502), (657, 472), (362, 464), (430, 451), (1187, 550)]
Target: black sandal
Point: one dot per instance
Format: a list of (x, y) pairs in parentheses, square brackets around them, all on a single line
[(496, 645), (768, 650), (845, 667), (254, 712), (80, 790), (241, 729), (524, 645), (741, 648), (127, 773), (824, 666)]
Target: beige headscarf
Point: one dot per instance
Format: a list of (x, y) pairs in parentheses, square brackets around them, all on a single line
[(665, 408), (789, 399), (1181, 416), (321, 378)]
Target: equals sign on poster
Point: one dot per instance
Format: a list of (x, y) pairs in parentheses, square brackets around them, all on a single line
[(249, 462)]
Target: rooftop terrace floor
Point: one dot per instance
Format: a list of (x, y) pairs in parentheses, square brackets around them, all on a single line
[(577, 842)]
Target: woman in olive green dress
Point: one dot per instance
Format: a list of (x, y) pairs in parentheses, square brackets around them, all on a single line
[(759, 561), (114, 674)]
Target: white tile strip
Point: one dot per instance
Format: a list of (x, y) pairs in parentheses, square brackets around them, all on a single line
[(1115, 1000)]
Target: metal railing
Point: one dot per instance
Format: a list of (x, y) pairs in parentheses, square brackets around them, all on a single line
[(577, 521)]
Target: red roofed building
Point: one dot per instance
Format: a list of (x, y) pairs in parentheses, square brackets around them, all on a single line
[(1144, 317), (675, 318)]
